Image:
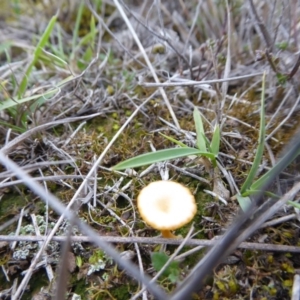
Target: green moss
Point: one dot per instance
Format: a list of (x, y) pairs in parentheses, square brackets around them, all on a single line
[(37, 281), (10, 206), (122, 292), (80, 286)]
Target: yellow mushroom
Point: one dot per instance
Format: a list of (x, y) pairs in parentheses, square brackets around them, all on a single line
[(166, 206)]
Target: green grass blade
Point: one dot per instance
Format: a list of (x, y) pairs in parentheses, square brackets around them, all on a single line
[(59, 49), (173, 140), (5, 46), (201, 143), (160, 155), (295, 204), (13, 127), (76, 29), (261, 141), (259, 183), (215, 142), (52, 59), (252, 192), (93, 31), (44, 39), (37, 52), (7, 103), (244, 202)]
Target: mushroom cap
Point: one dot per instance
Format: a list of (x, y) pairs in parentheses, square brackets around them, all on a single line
[(166, 205)]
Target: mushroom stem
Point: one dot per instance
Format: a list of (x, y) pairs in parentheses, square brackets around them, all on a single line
[(168, 234)]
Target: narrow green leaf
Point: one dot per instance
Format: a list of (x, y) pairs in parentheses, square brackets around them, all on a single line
[(173, 140), (51, 58), (7, 103), (295, 204), (261, 141), (201, 143), (215, 142), (15, 128), (244, 202), (59, 49), (161, 155), (11, 103), (44, 39), (214, 162), (76, 29), (39, 48), (259, 183), (93, 31), (5, 46)]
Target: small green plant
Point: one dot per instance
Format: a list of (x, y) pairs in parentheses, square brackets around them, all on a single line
[(12, 104), (37, 52), (247, 187), (251, 187), (87, 43), (204, 148), (210, 150), (159, 259)]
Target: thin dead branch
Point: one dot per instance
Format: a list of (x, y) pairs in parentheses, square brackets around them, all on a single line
[(149, 64), (261, 26), (153, 240)]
